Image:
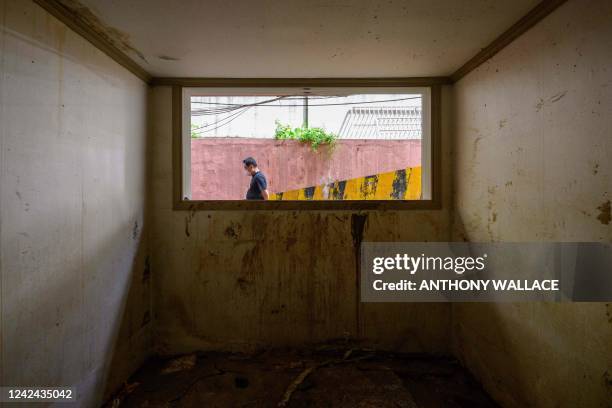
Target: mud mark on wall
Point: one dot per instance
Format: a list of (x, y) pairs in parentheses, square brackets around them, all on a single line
[(146, 319), (491, 208), (188, 220), (250, 266), (475, 148), (135, 231), (547, 102), (607, 381), (358, 223), (26, 205), (290, 242), (115, 37), (233, 230), (604, 213), (146, 273)]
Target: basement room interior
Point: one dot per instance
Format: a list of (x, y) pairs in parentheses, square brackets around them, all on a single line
[(265, 203)]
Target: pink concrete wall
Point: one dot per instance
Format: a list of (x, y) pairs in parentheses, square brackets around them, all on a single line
[(217, 172)]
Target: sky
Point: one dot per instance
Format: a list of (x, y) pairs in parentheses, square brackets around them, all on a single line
[(259, 121)]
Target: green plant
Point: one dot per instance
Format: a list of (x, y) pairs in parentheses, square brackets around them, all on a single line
[(313, 136), (194, 133)]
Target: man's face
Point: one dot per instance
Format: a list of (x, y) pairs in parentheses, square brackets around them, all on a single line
[(250, 169)]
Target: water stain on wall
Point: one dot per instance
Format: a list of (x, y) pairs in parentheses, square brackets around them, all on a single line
[(188, 220), (233, 230), (604, 213)]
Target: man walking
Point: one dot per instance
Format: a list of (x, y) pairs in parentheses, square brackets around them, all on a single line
[(258, 190)]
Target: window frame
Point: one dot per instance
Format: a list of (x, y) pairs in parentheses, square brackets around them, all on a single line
[(180, 114)]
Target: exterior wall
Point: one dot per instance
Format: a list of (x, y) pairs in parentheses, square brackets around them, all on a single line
[(217, 172), (242, 280), (533, 147), (72, 184)]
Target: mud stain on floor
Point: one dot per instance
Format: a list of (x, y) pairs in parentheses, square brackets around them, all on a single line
[(321, 377)]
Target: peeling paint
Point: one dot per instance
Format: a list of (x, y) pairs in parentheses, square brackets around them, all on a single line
[(114, 36)]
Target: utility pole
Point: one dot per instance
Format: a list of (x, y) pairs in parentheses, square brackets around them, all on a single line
[(305, 121)]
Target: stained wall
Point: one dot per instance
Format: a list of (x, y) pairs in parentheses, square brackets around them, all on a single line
[(532, 150), (250, 279), (217, 173), (75, 299)]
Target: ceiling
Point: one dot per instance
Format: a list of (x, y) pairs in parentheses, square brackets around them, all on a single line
[(300, 38)]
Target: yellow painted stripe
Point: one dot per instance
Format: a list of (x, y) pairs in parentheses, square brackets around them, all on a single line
[(375, 187)]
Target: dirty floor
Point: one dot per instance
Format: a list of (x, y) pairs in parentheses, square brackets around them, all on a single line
[(321, 378)]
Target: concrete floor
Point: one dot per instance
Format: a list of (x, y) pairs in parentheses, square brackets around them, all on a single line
[(324, 377)]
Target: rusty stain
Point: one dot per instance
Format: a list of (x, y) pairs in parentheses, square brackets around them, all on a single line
[(502, 123), (596, 168), (168, 58), (117, 38), (604, 214)]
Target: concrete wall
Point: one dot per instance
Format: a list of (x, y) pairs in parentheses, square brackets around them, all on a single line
[(240, 280), (72, 184), (532, 163), (217, 173)]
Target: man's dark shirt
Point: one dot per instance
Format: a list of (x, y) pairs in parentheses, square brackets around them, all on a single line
[(258, 184)]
